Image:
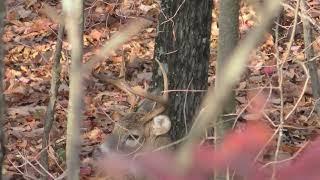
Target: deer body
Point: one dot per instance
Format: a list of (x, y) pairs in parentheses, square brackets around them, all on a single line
[(132, 135), (141, 131)]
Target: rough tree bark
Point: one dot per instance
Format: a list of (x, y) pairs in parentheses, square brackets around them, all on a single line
[(214, 100), (55, 82), (73, 11), (182, 45), (309, 54), (2, 99)]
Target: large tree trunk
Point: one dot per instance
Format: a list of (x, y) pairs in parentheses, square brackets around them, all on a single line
[(182, 46)]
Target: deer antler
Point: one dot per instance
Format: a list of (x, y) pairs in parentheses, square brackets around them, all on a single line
[(164, 97), (123, 85)]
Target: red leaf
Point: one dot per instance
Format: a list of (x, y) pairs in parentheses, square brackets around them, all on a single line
[(237, 151), (305, 166)]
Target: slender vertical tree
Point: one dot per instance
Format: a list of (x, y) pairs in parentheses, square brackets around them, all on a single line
[(73, 12), (182, 45), (228, 40), (309, 54), (2, 100)]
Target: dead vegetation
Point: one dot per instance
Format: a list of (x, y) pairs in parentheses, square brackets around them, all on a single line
[(30, 38)]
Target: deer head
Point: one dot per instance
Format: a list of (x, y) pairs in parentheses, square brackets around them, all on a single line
[(139, 131), (132, 134)]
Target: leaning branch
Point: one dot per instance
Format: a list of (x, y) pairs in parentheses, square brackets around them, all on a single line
[(55, 81), (115, 42)]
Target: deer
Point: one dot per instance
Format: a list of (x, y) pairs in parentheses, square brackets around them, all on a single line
[(139, 131)]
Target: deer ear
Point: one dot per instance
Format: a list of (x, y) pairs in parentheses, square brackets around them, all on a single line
[(160, 125)]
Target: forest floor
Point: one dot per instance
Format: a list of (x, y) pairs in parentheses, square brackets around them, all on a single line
[(30, 38)]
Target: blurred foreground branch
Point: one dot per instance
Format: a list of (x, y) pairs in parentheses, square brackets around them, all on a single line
[(115, 42), (73, 12)]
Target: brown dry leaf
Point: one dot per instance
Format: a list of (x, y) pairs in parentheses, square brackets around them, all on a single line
[(8, 36), (51, 13), (95, 34), (12, 16), (23, 13), (109, 8), (29, 3), (125, 9), (150, 30), (16, 89), (242, 100), (242, 85), (300, 56), (11, 73), (34, 133), (316, 45), (145, 8), (149, 2), (99, 10), (26, 52), (94, 134), (116, 116), (269, 40), (23, 143), (17, 49), (37, 25), (117, 59), (289, 149), (24, 110), (116, 41), (132, 100), (138, 88), (291, 89)]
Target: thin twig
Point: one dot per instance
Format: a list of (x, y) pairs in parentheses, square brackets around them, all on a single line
[(280, 80), (184, 108)]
